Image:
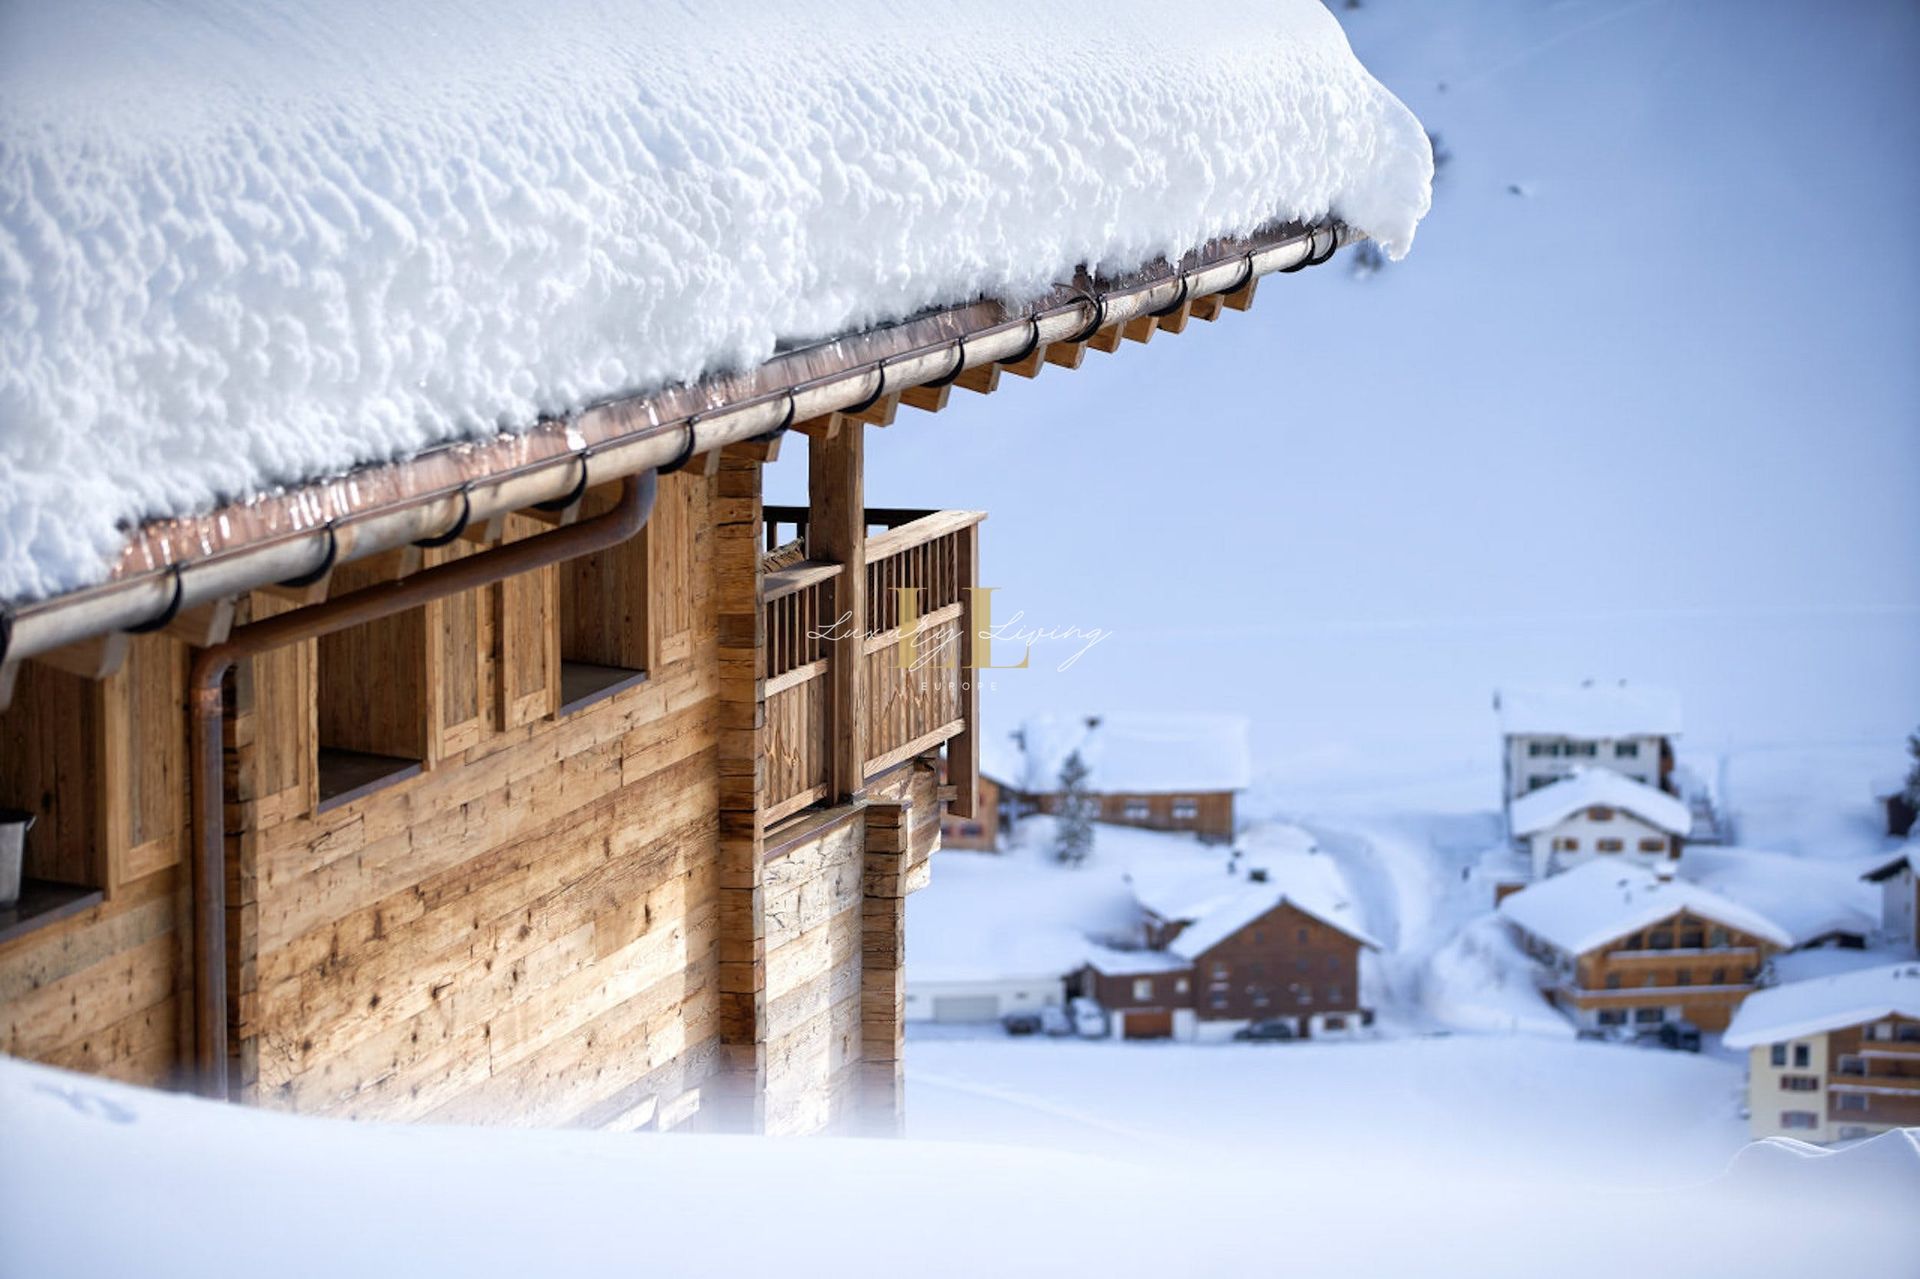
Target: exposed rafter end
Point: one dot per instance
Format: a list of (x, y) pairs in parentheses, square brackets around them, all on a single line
[(764, 448), (95, 658), (1176, 321), (1067, 355), (928, 399), (984, 379), (880, 413), (1207, 308), (1107, 340), (204, 625), (824, 427), (1028, 365), (1140, 328), (1241, 298)]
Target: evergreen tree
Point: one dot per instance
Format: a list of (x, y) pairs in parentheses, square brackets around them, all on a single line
[(1073, 839), (1913, 774)]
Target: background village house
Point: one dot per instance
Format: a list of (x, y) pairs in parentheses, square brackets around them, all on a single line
[(1834, 1058), (1598, 814), (1899, 884), (1623, 948)]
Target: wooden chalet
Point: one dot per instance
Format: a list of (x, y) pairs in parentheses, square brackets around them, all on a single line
[(1267, 942), (1835, 1058), (1152, 772), (550, 780), (1625, 950)]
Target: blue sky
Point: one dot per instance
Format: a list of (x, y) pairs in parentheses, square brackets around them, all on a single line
[(1642, 402)]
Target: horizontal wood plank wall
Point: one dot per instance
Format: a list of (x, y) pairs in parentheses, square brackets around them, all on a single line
[(527, 932), (813, 895), (103, 991)]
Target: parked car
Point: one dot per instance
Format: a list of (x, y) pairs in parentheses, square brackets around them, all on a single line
[(1054, 1020), (1089, 1019), (1021, 1023), (1682, 1036), (1265, 1032)]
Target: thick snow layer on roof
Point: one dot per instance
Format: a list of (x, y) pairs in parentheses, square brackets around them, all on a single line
[(1137, 753), (1826, 1003), (1807, 897), (246, 244), (1219, 900), (1592, 709), (1909, 859), (1588, 787), (1593, 904)]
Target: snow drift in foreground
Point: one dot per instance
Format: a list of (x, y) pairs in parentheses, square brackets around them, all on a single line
[(251, 242), (100, 1179)]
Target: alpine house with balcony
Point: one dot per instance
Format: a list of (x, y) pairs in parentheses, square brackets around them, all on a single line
[(418, 712)]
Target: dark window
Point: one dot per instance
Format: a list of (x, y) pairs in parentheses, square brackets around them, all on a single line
[(1717, 938), (1778, 1054), (1649, 1016), (1799, 1083), (368, 741), (1610, 845), (1799, 1119), (1600, 813), (1613, 1017), (1851, 1064), (1660, 939), (1909, 1034), (1301, 936), (1653, 845), (1851, 1101), (1802, 1056), (1626, 750), (604, 621), (1692, 939)]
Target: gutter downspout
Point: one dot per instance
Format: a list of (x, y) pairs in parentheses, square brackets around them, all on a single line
[(207, 708)]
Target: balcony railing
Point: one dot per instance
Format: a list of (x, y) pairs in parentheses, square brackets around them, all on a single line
[(914, 687)]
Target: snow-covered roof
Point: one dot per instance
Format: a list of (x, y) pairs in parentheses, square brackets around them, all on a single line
[(1825, 1003), (256, 245), (1590, 787), (1595, 903), (1808, 897), (1590, 709), (1907, 860), (1111, 962), (1134, 754), (1220, 899)]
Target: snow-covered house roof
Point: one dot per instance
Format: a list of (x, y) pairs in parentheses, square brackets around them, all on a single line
[(1808, 897), (1825, 1003), (268, 244), (1598, 787), (1599, 901), (1907, 860), (1217, 901), (1591, 709), (1135, 754)]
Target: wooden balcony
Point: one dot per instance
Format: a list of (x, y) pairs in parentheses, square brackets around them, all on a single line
[(906, 624)]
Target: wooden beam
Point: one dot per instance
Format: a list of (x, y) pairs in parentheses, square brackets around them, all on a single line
[(1140, 328), (314, 592), (820, 428), (763, 449), (1177, 321), (963, 751), (1029, 365), (984, 378), (486, 532), (880, 413), (204, 625), (1107, 339), (837, 533), (1241, 298), (928, 399), (1067, 355), (567, 514), (1207, 308), (9, 676), (95, 658)]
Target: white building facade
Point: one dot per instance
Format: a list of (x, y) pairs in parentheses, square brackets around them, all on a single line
[(1593, 814)]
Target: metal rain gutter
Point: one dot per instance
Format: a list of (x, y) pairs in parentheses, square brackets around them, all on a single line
[(177, 565)]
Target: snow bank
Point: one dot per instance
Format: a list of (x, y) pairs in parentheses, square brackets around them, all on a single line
[(1809, 898), (1482, 981), (245, 243)]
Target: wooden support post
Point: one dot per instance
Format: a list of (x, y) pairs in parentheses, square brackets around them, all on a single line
[(837, 534), (95, 658), (928, 399), (963, 751), (9, 676), (737, 520)]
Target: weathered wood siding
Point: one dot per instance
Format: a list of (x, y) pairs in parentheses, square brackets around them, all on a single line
[(103, 765), (526, 931)]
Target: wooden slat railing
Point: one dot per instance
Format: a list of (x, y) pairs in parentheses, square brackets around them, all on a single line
[(908, 711), (916, 703), (799, 617)]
